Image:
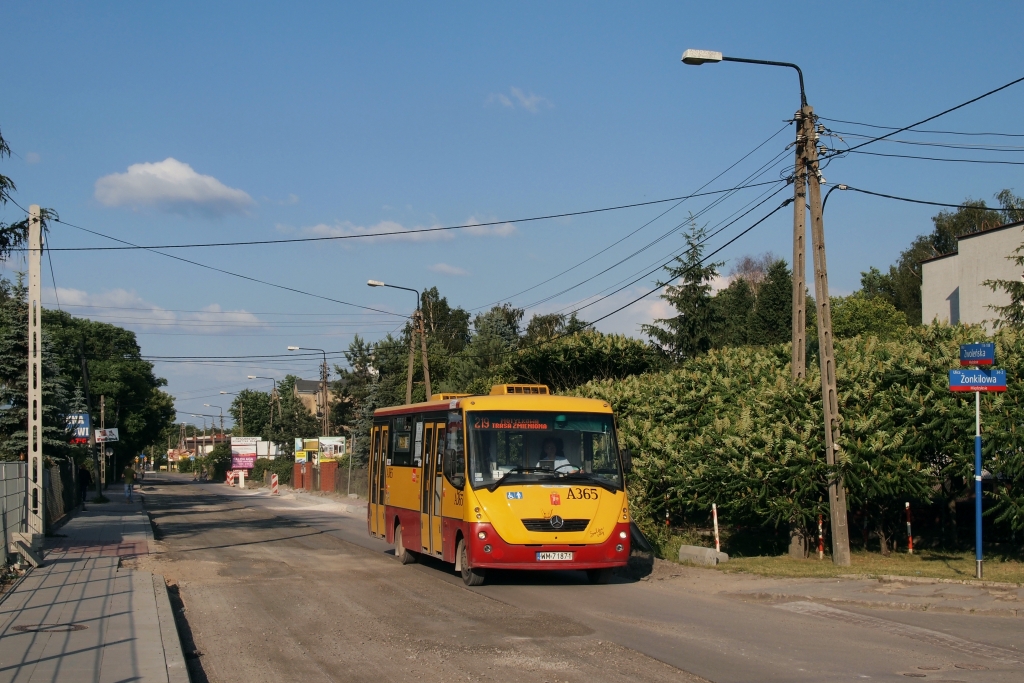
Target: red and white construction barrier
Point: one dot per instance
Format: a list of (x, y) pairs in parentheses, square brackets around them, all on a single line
[(273, 485), (230, 478)]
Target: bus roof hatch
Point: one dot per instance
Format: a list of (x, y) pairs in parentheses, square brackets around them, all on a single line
[(506, 389)]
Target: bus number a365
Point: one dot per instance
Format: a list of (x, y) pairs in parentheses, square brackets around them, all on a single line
[(580, 493)]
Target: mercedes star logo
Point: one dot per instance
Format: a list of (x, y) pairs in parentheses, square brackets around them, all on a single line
[(556, 522)]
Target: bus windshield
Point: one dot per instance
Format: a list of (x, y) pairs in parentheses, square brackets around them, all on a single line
[(526, 446)]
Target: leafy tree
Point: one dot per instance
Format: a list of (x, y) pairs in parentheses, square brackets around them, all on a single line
[(58, 395), (771, 321), (296, 421), (733, 308), (579, 358), (484, 361), (547, 326), (251, 410), (859, 314), (446, 326), (691, 332)]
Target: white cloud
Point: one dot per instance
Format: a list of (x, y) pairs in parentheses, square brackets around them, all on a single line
[(530, 102), (445, 269), (392, 230), (127, 309), (173, 186), (292, 199), (33, 158)]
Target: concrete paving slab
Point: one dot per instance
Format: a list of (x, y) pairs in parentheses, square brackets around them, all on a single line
[(83, 616)]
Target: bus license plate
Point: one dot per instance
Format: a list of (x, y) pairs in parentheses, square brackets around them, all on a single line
[(554, 557)]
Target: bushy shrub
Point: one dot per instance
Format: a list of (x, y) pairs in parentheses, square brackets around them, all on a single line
[(731, 427), (281, 466)]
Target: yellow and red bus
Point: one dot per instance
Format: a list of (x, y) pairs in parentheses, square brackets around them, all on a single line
[(517, 479)]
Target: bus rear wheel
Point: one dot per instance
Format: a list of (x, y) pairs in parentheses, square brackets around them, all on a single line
[(404, 555), (600, 576), (470, 577)]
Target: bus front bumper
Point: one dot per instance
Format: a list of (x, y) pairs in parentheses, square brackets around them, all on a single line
[(614, 552)]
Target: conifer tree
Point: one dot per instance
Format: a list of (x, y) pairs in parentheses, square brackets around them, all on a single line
[(772, 317), (691, 332)]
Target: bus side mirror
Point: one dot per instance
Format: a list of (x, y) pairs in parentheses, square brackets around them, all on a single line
[(627, 460)]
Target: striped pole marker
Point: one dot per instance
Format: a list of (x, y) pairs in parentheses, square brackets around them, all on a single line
[(273, 485), (230, 478)]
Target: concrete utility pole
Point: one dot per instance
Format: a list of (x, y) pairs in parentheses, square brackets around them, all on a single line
[(103, 423), (807, 180), (28, 543), (826, 355)]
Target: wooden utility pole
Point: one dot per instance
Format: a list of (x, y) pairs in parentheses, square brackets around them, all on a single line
[(423, 346), (826, 352)]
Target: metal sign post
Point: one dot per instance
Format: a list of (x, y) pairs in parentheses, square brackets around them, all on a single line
[(977, 380)]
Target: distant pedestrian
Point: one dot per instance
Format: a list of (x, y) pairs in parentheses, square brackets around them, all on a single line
[(84, 482), (129, 480)]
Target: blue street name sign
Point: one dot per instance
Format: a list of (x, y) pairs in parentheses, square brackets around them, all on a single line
[(977, 380), (978, 354)]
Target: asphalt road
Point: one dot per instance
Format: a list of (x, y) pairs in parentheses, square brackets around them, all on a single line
[(279, 589)]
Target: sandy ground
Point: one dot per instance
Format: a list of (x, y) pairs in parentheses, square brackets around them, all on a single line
[(267, 599)]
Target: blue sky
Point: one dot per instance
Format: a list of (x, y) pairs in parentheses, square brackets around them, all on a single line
[(199, 122)]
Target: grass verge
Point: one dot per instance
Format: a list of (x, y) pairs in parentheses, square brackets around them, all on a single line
[(926, 563)]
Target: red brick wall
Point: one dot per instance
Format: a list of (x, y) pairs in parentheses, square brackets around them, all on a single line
[(328, 471)]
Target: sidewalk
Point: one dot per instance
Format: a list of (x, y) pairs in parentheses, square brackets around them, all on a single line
[(82, 617)]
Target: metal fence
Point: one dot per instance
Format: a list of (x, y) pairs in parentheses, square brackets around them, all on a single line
[(12, 499)]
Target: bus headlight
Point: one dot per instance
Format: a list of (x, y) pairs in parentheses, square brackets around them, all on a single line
[(481, 535), (622, 534)]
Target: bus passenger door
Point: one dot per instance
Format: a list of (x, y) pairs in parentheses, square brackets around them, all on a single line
[(437, 487), (382, 490), (426, 484), (374, 499)]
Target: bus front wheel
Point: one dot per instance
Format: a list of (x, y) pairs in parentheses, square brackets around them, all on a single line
[(470, 577)]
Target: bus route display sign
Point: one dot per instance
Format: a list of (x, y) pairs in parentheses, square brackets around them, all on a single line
[(977, 354), (977, 380)]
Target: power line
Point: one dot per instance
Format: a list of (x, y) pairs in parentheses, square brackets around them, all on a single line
[(941, 132), (946, 145), (915, 201), (238, 275), (180, 310), (932, 118), (619, 241), (376, 234), (854, 150)]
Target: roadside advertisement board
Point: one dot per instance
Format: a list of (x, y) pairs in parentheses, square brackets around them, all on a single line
[(79, 422), (106, 435), (243, 452), (332, 446)]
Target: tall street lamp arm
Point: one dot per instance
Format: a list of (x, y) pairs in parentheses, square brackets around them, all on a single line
[(799, 73), (698, 57)]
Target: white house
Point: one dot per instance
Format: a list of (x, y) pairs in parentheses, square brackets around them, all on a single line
[(951, 285)]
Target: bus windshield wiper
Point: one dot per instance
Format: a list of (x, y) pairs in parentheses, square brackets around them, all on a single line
[(517, 470)]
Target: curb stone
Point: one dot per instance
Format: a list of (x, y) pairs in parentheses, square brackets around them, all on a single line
[(174, 658)]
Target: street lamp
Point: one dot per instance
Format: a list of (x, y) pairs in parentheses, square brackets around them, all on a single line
[(807, 180), (324, 375), (209, 405), (417, 321)]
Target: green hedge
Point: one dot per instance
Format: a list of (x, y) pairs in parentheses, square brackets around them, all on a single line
[(731, 427), (281, 465)]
